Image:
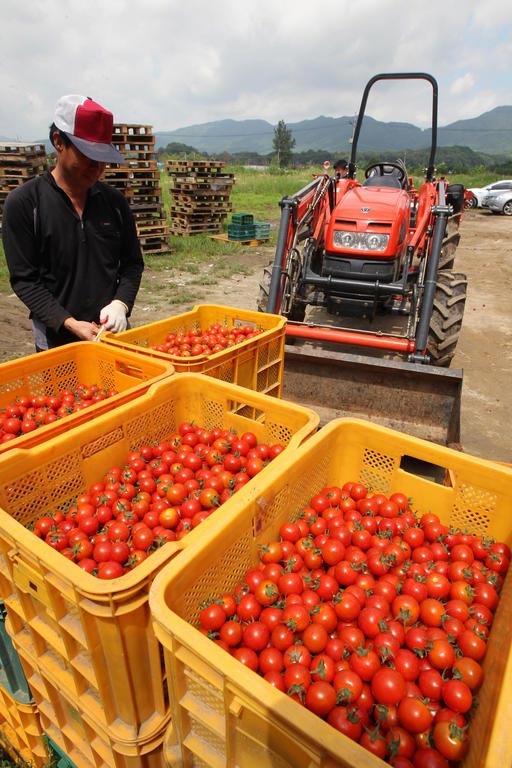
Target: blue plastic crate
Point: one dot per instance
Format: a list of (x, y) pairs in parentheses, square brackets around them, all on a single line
[(12, 677), (60, 759)]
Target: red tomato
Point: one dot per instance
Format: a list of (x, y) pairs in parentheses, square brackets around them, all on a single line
[(469, 671), (440, 654), (320, 698), (212, 616), (365, 662), (110, 570), (315, 638), (470, 644), (426, 757), (256, 635), (457, 695), (388, 686), (414, 714), (297, 676), (450, 740), (246, 656), (346, 721)]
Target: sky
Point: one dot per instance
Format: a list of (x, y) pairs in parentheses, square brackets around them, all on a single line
[(169, 64)]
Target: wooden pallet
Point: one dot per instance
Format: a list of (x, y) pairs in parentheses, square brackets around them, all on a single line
[(125, 129), (157, 247), (148, 211), (198, 166), (22, 173), (142, 197), (136, 163), (19, 148), (134, 175), (194, 229), (152, 229), (203, 210)]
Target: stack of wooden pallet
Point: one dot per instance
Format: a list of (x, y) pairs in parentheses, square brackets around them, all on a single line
[(200, 195), (139, 180), (18, 163)]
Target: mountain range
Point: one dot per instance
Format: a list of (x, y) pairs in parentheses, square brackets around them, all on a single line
[(491, 133)]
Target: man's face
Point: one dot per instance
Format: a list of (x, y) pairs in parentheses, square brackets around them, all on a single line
[(76, 166)]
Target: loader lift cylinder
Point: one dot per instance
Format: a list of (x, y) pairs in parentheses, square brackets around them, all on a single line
[(287, 204), (442, 212)]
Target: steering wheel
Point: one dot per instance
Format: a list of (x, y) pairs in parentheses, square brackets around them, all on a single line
[(387, 169)]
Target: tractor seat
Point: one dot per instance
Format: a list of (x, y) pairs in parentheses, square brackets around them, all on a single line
[(382, 181)]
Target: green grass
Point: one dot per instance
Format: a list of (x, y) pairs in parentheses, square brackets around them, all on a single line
[(254, 191)]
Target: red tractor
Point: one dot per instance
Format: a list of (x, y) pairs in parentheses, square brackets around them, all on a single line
[(375, 257)]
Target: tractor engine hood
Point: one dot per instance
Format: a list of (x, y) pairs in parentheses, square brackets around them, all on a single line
[(369, 221)]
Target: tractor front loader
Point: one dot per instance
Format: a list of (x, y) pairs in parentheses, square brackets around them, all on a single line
[(364, 273)]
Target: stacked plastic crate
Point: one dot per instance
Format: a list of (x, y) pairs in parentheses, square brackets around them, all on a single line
[(21, 733), (244, 228), (200, 196), (18, 163), (139, 180)]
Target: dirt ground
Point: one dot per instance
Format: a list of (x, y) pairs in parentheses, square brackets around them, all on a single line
[(484, 351)]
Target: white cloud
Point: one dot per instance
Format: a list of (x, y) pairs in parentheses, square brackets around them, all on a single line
[(462, 85), (171, 64)]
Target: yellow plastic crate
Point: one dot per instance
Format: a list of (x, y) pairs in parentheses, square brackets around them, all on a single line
[(21, 732), (93, 639), (256, 363), (223, 714), (81, 739), (85, 362)]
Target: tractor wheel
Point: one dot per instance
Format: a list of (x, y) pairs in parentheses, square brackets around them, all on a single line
[(450, 243), (447, 314), (264, 289)]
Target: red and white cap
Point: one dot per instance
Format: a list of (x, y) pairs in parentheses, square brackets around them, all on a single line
[(88, 126)]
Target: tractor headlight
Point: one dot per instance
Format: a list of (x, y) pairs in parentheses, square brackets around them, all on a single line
[(360, 241)]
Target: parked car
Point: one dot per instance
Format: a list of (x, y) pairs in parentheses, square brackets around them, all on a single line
[(500, 202), (477, 194)]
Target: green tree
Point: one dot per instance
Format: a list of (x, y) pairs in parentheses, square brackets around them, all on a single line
[(283, 143)]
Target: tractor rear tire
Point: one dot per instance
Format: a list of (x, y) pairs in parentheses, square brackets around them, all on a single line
[(264, 289), (450, 243), (447, 314)]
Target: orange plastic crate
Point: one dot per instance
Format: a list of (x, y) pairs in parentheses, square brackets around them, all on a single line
[(85, 362), (84, 742), (256, 363), (91, 638), (223, 714), (21, 732)]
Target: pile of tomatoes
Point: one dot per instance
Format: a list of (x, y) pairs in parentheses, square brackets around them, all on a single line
[(159, 494), (197, 341), (372, 619), (27, 413)]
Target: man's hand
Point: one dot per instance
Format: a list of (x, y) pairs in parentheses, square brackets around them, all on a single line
[(82, 329), (113, 316)]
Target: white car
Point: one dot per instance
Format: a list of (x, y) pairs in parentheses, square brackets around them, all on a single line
[(500, 203), (478, 194)]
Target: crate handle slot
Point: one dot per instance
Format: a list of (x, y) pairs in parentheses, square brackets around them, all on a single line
[(130, 370), (425, 469)]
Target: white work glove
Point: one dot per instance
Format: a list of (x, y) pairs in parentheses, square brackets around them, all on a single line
[(113, 316)]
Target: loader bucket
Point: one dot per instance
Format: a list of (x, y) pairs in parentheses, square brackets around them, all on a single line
[(420, 400)]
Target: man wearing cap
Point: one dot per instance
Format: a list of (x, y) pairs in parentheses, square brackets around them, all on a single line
[(341, 169), (70, 239)]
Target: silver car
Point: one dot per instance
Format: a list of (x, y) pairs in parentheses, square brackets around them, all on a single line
[(478, 194), (499, 202)]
